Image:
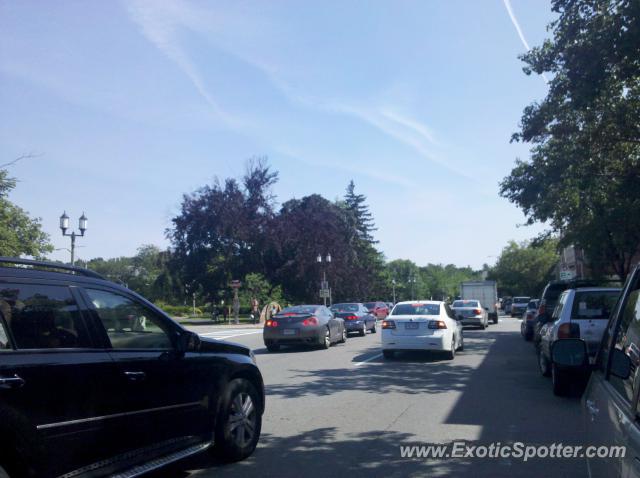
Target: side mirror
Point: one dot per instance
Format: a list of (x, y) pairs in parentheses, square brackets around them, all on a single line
[(487, 309), (188, 342), (569, 353), (620, 364)]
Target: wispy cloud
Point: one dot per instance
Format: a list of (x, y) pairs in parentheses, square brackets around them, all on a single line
[(516, 24)]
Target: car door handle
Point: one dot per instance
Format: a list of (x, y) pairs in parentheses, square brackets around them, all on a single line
[(135, 376), (591, 406), (11, 382)]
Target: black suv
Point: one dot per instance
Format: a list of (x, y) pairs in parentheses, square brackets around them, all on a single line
[(95, 380)]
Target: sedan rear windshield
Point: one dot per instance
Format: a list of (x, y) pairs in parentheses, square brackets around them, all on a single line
[(345, 308), (595, 305), (416, 309), (299, 309), (465, 303), (370, 305), (521, 300)]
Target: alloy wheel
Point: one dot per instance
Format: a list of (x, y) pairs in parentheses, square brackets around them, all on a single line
[(242, 420)]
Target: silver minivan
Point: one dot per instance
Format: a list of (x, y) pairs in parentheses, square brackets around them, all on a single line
[(611, 408)]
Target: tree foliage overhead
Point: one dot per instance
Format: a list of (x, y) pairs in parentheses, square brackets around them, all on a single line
[(525, 268), (583, 177), (20, 235)]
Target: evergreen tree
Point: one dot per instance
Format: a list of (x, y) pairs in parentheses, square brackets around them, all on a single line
[(357, 205)]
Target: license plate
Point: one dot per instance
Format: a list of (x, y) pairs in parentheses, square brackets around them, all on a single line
[(412, 325), (289, 332)]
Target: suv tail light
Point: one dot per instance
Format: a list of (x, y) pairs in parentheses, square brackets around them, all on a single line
[(388, 324), (569, 331), (350, 317), (437, 324), (310, 321), (542, 308), (271, 323)]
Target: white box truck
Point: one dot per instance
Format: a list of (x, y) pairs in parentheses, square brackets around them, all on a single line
[(486, 291)]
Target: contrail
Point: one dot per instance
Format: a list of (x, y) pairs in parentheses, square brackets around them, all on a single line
[(516, 24)]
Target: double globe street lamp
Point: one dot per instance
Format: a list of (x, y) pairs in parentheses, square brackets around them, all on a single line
[(82, 226), (324, 287)]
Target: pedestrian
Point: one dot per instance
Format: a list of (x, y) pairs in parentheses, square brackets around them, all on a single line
[(255, 311)]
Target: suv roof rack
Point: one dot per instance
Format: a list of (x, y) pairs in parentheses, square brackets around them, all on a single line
[(50, 265)]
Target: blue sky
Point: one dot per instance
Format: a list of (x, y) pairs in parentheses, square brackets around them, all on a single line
[(130, 104)]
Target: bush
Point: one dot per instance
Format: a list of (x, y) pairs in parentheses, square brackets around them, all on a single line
[(179, 310)]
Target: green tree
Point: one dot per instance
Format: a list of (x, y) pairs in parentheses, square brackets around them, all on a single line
[(583, 177), (20, 235), (524, 268), (363, 219)]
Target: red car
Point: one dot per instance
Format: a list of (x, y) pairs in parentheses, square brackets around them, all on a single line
[(379, 309)]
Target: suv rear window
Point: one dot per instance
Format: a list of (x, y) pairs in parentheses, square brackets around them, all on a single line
[(593, 305), (42, 317)]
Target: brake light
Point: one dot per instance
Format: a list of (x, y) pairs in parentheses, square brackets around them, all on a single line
[(310, 321), (350, 317), (437, 324), (569, 331), (477, 311), (388, 324), (271, 323)]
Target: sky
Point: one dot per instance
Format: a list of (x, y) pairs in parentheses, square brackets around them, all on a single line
[(124, 106)]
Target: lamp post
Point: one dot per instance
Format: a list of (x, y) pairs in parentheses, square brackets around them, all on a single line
[(412, 281), (82, 226), (393, 283), (324, 287)]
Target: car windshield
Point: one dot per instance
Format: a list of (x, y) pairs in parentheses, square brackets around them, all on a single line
[(521, 300), (416, 309), (465, 303), (370, 305), (533, 304), (594, 305), (345, 308), (299, 309)]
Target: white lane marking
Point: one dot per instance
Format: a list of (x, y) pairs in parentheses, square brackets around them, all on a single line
[(357, 364), (226, 335)]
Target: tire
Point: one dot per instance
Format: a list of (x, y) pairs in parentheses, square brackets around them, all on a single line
[(273, 347), (461, 346), (495, 319), (326, 340), (363, 332), (483, 326), (451, 354), (559, 381), (543, 364), (388, 354), (373, 329), (239, 421), (343, 339)]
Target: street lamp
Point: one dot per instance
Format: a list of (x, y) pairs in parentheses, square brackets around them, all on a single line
[(393, 283), (412, 281), (324, 287), (82, 226)]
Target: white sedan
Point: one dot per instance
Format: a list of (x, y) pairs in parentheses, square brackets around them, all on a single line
[(422, 325)]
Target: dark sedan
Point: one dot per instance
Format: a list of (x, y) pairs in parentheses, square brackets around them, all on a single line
[(356, 317), (313, 325)]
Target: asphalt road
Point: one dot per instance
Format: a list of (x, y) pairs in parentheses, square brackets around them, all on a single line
[(346, 411)]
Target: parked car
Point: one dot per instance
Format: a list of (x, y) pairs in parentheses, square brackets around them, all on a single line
[(610, 401), (528, 319), (380, 310), (95, 379), (470, 312), (422, 325), (313, 325), (549, 300), (580, 313), (389, 306), (518, 306), (356, 317), (506, 306)]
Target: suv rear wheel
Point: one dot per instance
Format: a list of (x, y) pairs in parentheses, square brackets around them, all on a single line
[(239, 421)]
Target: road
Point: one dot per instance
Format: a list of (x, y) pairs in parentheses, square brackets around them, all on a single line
[(346, 411)]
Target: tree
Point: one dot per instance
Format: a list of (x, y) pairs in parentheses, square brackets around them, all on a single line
[(222, 230), (583, 177), (363, 219), (524, 268), (20, 235)]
